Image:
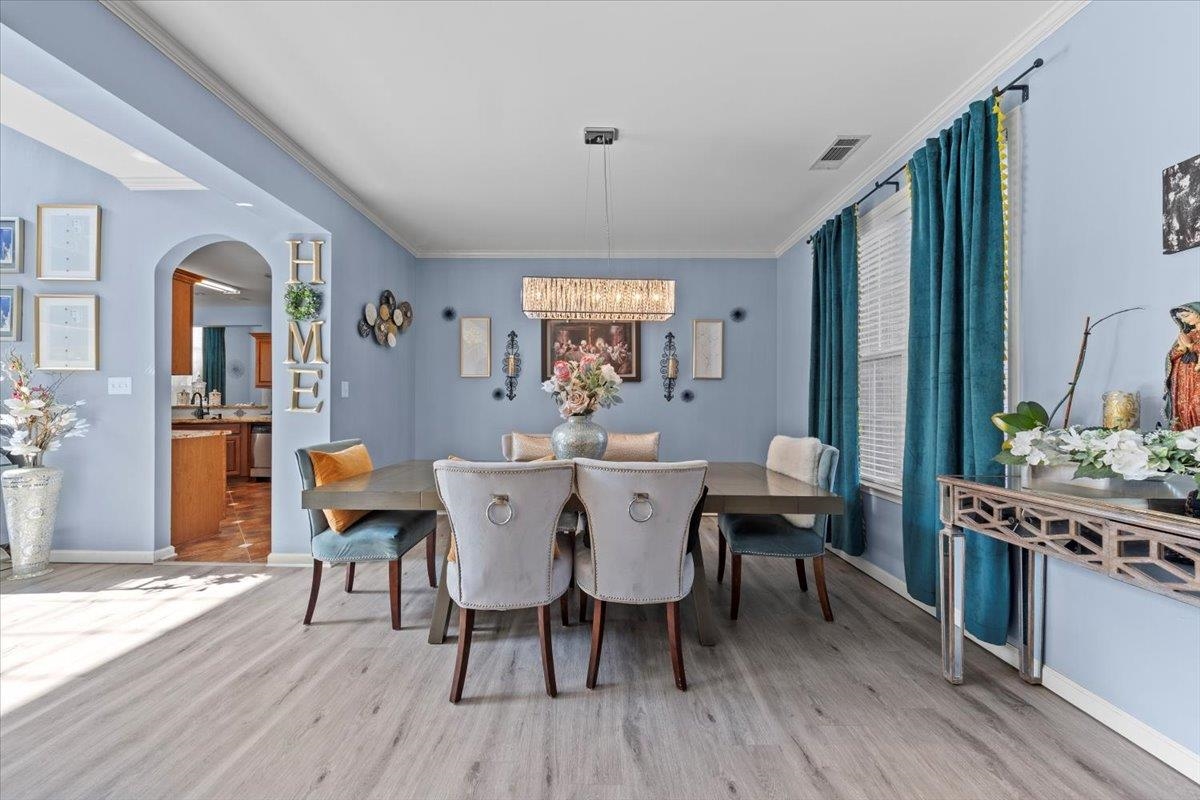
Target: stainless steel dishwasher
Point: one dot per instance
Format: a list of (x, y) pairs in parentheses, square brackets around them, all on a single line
[(260, 451)]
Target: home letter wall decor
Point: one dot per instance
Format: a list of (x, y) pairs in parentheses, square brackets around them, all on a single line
[(311, 344)]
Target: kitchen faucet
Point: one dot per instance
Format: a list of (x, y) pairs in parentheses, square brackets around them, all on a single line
[(199, 413)]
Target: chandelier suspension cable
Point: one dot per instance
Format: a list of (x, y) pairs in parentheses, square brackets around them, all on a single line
[(587, 191), (607, 208)]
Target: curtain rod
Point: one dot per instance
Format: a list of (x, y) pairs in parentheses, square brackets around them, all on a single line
[(1012, 86)]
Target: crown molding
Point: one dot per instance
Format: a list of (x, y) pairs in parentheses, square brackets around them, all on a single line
[(600, 254), (180, 183), (142, 24), (978, 83)]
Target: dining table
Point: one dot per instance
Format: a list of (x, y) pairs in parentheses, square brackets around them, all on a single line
[(733, 487)]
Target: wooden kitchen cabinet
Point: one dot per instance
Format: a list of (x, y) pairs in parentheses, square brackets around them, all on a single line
[(182, 289), (237, 444), (262, 360)]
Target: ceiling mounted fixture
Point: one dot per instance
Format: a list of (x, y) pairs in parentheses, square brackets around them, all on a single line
[(217, 286), (616, 299), (836, 154)]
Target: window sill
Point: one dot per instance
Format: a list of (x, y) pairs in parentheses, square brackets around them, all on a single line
[(879, 490)]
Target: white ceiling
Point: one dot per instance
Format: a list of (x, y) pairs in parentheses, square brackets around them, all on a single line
[(236, 264), (38, 118), (459, 125)]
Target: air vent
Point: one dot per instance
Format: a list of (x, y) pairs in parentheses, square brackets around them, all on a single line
[(838, 152)]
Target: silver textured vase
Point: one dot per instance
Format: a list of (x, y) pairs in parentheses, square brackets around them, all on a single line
[(578, 437), (30, 506)]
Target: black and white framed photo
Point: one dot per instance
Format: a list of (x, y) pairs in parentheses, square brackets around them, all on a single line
[(1181, 206), (66, 332), (11, 250), (68, 242), (10, 314)]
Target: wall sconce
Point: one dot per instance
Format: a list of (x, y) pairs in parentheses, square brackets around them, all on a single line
[(512, 365), (668, 367)]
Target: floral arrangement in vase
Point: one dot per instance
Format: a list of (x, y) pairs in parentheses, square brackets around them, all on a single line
[(581, 387), (35, 422)]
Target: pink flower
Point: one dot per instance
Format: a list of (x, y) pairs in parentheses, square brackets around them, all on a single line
[(562, 371), (588, 360)]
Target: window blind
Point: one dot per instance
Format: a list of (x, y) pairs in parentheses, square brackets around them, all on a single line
[(884, 234)]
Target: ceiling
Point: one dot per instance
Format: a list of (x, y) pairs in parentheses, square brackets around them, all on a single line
[(459, 125), (236, 264), (33, 115)]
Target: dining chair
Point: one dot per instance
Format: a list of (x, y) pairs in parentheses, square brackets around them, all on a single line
[(506, 550), (379, 536), (639, 518), (795, 536)]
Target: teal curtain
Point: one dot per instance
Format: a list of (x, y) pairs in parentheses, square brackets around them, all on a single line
[(956, 355), (833, 366), (213, 370)]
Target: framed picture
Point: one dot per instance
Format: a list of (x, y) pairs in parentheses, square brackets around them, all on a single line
[(475, 347), (708, 348), (68, 242), (1181, 206), (10, 314), (11, 244), (617, 343), (66, 332)]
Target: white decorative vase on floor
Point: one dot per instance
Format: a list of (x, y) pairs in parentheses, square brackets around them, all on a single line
[(30, 506)]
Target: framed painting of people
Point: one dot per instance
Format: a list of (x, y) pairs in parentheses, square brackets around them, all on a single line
[(616, 343)]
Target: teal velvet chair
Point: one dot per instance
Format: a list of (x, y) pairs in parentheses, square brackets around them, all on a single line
[(379, 536), (775, 536)]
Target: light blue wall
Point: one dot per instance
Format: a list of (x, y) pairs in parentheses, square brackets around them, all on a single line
[(794, 311), (238, 322), (732, 418), (1114, 105)]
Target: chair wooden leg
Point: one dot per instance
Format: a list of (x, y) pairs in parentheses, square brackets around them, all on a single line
[(735, 589), (466, 621), (394, 591), (547, 650), (350, 577), (822, 594), (675, 642), (431, 558), (564, 609), (583, 605), (312, 594), (597, 640), (720, 557), (800, 575)]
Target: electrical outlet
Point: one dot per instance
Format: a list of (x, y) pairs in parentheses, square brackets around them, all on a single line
[(345, 388), (120, 385)]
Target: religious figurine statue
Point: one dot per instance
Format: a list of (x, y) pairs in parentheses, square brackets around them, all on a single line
[(1183, 370)]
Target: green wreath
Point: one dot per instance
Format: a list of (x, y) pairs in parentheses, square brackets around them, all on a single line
[(301, 301)]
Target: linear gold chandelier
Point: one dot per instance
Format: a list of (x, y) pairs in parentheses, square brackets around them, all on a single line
[(618, 299)]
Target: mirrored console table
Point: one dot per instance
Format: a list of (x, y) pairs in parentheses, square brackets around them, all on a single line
[(1138, 534)]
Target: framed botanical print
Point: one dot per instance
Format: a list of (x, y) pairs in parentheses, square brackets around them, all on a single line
[(10, 314), (68, 242), (615, 343), (475, 347), (708, 348), (66, 333), (12, 247)]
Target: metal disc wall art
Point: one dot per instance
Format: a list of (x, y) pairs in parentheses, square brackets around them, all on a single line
[(386, 320)]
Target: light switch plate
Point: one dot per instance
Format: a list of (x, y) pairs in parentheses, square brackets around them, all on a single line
[(345, 388), (120, 385)]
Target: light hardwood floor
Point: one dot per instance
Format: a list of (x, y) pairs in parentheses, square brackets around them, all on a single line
[(198, 681)]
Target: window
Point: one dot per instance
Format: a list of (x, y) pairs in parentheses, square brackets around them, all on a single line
[(884, 234)]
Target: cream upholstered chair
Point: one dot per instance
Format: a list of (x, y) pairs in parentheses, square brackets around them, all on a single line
[(796, 536), (639, 516), (503, 523)]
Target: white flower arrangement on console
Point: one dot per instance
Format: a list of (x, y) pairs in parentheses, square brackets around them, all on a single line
[(1108, 453)]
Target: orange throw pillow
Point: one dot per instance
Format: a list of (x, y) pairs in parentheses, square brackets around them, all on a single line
[(333, 467)]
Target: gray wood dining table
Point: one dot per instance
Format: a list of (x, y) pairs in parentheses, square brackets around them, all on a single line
[(733, 487)]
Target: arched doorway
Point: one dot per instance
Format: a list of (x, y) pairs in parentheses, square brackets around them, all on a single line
[(214, 320)]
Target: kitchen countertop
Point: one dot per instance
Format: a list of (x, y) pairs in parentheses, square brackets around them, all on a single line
[(196, 434), (257, 420), (247, 407)]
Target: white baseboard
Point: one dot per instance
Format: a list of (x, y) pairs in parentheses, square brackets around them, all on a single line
[(103, 556), (289, 560), (1157, 744)]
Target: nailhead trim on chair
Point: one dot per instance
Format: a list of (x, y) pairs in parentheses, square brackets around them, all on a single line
[(372, 558), (682, 550)]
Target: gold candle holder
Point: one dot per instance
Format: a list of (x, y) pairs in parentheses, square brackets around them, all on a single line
[(1121, 410)]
